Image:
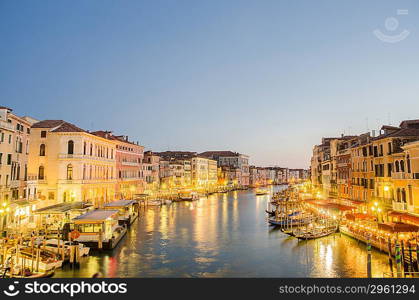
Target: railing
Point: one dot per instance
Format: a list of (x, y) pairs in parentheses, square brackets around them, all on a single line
[(400, 206), (401, 175), (129, 163)]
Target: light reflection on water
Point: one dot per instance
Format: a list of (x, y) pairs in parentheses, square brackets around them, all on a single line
[(226, 235)]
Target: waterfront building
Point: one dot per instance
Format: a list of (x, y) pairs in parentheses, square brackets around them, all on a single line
[(406, 181), (67, 163), (151, 169), (200, 172), (362, 172), (179, 168), (389, 160), (14, 152), (232, 160), (129, 157), (377, 172)]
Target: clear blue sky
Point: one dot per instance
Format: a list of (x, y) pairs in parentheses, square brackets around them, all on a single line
[(265, 78)]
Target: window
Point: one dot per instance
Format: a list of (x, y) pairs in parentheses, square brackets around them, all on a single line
[(42, 150), (409, 169), (41, 173), (69, 172), (43, 134), (70, 147), (84, 148), (402, 166), (9, 159)]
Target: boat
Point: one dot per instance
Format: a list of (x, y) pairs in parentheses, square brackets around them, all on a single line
[(99, 229), (271, 213), (27, 274), (313, 233), (188, 196), (42, 260), (288, 221), (128, 210), (261, 192), (54, 245)]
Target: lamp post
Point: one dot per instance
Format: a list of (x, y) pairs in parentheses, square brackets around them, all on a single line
[(4, 210)]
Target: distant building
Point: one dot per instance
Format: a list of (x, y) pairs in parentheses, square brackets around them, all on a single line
[(232, 160), (129, 158)]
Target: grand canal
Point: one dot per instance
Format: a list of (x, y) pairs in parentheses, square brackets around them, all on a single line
[(224, 235)]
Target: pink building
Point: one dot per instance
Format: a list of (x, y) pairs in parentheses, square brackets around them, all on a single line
[(129, 158)]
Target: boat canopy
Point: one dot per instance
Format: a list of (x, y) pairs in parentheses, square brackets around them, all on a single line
[(95, 216), (120, 203), (62, 207)]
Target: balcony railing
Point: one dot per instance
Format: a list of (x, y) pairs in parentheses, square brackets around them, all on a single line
[(400, 206), (401, 175)]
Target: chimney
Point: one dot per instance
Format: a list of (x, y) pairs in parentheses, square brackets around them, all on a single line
[(373, 133)]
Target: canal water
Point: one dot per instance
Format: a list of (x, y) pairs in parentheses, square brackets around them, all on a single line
[(224, 235)]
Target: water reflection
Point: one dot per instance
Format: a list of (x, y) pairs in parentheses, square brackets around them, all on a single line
[(225, 235)]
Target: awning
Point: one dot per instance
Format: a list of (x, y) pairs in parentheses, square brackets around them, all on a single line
[(398, 227), (62, 207), (406, 218)]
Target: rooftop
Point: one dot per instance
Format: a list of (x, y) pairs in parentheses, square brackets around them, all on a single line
[(96, 215), (120, 203)]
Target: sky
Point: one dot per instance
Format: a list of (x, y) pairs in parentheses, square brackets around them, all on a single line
[(265, 78)]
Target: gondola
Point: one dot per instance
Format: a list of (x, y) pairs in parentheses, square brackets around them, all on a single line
[(309, 235), (271, 213), (290, 222)]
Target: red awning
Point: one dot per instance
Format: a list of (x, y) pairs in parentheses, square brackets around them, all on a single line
[(404, 217), (398, 227)]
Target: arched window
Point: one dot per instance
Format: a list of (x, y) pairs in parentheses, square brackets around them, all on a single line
[(398, 195), (91, 149), (403, 195), (42, 150), (70, 172), (402, 166), (70, 147), (84, 148), (41, 173), (397, 166), (409, 169)]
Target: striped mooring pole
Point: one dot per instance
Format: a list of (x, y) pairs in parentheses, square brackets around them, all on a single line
[(398, 260), (369, 271)]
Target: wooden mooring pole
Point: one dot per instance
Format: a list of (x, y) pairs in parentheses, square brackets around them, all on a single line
[(398, 260), (369, 270)]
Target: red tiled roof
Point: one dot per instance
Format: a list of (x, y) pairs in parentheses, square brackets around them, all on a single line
[(218, 153), (59, 125), (404, 132)]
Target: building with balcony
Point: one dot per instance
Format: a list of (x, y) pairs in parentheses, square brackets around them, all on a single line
[(67, 163), (232, 160), (151, 172), (14, 152), (129, 171)]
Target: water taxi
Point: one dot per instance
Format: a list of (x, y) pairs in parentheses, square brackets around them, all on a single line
[(128, 210), (99, 229), (55, 245), (261, 192), (188, 196)]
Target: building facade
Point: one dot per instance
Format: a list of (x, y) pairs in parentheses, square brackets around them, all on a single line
[(67, 163)]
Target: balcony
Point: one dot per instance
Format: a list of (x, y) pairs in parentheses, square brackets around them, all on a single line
[(131, 164), (399, 206), (401, 175), (6, 125)]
